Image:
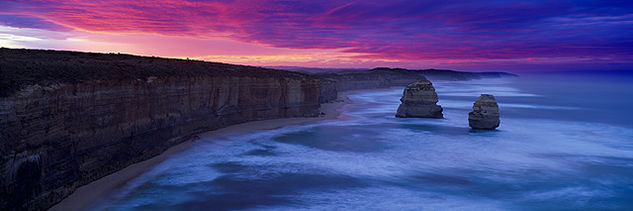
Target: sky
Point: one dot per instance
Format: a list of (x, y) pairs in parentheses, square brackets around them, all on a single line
[(514, 36)]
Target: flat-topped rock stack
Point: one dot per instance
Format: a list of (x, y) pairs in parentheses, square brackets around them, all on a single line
[(419, 100), (485, 114)]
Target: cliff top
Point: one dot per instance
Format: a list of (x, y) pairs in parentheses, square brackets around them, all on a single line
[(20, 67)]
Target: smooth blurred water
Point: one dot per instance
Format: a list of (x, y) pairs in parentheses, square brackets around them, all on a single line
[(564, 143)]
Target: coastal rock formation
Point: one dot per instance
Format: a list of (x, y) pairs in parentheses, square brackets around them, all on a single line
[(419, 100), (69, 118), (485, 114)]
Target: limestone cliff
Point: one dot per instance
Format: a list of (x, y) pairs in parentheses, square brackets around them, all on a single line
[(419, 100), (69, 118)]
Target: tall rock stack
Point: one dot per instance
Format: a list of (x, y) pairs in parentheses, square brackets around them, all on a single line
[(419, 100), (485, 114)]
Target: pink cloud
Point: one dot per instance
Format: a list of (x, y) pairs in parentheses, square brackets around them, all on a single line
[(405, 32)]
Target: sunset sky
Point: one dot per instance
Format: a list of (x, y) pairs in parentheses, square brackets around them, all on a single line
[(511, 36)]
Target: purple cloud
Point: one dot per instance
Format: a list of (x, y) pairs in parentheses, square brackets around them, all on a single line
[(25, 21), (394, 30)]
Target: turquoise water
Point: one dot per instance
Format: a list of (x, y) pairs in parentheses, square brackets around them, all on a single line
[(563, 143)]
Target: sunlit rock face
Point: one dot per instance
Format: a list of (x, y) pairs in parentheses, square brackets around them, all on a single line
[(419, 100), (485, 114)]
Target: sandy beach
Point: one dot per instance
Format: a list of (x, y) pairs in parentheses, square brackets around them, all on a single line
[(88, 194)]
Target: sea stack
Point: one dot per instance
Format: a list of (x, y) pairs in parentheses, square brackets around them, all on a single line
[(419, 100), (485, 114)]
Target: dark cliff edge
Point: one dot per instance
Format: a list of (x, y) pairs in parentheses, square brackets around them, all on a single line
[(69, 118)]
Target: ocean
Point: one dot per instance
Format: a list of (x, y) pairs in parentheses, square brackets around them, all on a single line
[(565, 143)]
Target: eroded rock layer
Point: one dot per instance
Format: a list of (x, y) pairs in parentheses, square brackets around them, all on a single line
[(485, 114), (419, 100)]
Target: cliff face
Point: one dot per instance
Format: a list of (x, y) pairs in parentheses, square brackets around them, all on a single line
[(57, 136)]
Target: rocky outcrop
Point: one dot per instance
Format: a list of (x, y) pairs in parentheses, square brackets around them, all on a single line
[(61, 128), (419, 100), (485, 114)]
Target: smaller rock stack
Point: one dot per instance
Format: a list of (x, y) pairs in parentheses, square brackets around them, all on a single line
[(485, 114), (419, 100)]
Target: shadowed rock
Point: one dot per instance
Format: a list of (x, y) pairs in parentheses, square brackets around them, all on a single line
[(485, 114), (419, 100)]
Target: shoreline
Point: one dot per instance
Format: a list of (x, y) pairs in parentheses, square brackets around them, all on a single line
[(88, 194)]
